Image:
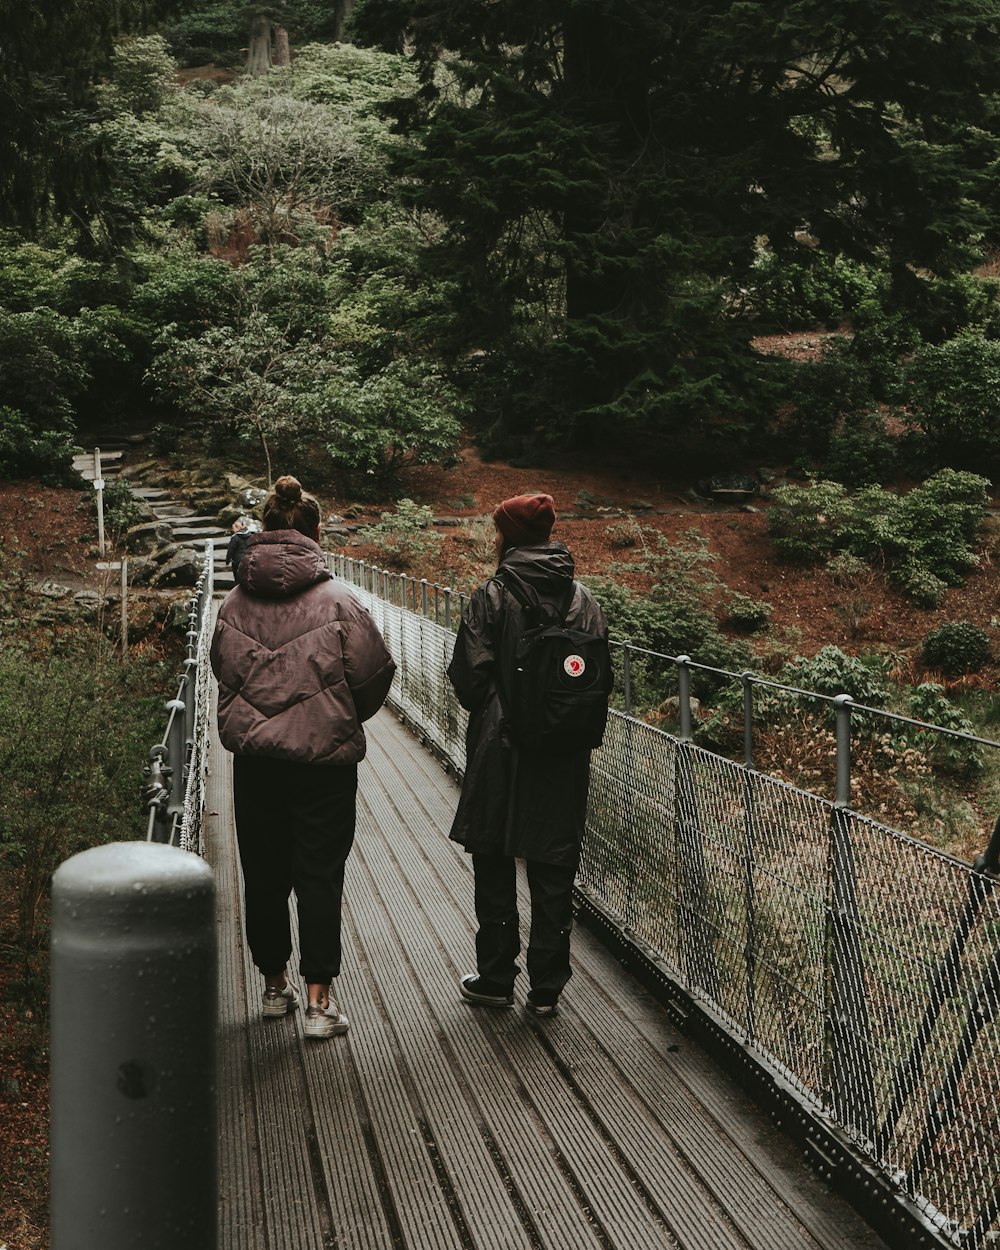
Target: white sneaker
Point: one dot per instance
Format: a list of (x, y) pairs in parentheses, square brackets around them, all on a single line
[(326, 1021), (280, 1002)]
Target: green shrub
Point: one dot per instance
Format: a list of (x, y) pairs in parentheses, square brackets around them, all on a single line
[(27, 451), (121, 508), (929, 703), (404, 537), (956, 647), (861, 454), (183, 290), (823, 393), (40, 373), (805, 522), (142, 75), (748, 615), (809, 288), (847, 570), (939, 521), (953, 399), (925, 538), (36, 275), (920, 584), (882, 337), (674, 617), (75, 785), (961, 302), (830, 672), (627, 533), (374, 426)]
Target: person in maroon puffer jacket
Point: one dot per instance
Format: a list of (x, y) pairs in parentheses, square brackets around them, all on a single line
[(301, 665)]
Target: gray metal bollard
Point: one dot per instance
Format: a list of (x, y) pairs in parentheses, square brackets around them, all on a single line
[(134, 1007)]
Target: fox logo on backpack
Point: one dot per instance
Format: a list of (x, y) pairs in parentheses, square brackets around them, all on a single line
[(556, 695)]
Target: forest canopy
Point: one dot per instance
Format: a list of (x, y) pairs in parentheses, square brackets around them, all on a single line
[(536, 221)]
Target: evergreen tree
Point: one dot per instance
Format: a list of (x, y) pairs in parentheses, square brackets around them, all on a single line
[(607, 169), (51, 161)]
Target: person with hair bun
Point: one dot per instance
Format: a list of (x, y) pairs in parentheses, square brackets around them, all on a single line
[(301, 665)]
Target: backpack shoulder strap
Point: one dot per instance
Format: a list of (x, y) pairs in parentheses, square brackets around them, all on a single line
[(522, 592), (528, 597)]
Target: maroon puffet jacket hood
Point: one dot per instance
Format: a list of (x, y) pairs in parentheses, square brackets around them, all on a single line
[(300, 662)]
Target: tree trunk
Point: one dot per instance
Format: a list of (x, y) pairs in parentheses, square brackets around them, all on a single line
[(282, 52), (602, 99), (259, 54), (342, 9)]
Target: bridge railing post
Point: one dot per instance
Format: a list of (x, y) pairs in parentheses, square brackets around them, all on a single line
[(134, 1006), (627, 675), (177, 753), (842, 704), (848, 1019), (684, 695), (747, 679), (189, 688)]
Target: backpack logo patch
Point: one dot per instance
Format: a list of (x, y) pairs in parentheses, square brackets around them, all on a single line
[(575, 665)]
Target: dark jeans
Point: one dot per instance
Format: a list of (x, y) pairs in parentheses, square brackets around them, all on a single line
[(295, 828), (498, 941)]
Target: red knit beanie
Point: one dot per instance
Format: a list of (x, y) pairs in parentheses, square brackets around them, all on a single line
[(525, 519)]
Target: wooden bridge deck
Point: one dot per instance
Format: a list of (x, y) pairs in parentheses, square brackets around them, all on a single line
[(434, 1125)]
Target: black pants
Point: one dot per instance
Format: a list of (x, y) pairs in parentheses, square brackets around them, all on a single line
[(295, 828), (498, 941)]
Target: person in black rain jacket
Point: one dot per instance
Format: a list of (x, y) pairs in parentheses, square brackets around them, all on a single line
[(513, 803)]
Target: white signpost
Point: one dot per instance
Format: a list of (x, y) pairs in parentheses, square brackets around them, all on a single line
[(99, 487)]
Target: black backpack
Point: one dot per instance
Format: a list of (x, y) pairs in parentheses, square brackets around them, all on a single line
[(556, 698)]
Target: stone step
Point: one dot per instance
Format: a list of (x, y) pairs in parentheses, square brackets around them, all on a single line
[(151, 493), (170, 512), (192, 533)]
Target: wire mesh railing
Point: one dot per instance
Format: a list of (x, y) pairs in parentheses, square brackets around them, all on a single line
[(175, 789), (859, 965)]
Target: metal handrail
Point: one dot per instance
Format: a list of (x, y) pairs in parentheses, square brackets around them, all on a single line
[(412, 593), (753, 679), (174, 792)]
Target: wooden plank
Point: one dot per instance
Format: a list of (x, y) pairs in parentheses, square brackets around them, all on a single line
[(474, 1114)]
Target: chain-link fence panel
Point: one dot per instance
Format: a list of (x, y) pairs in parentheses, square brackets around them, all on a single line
[(422, 649)]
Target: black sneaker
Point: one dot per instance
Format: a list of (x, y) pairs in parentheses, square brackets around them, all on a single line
[(475, 990), (540, 1008)]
